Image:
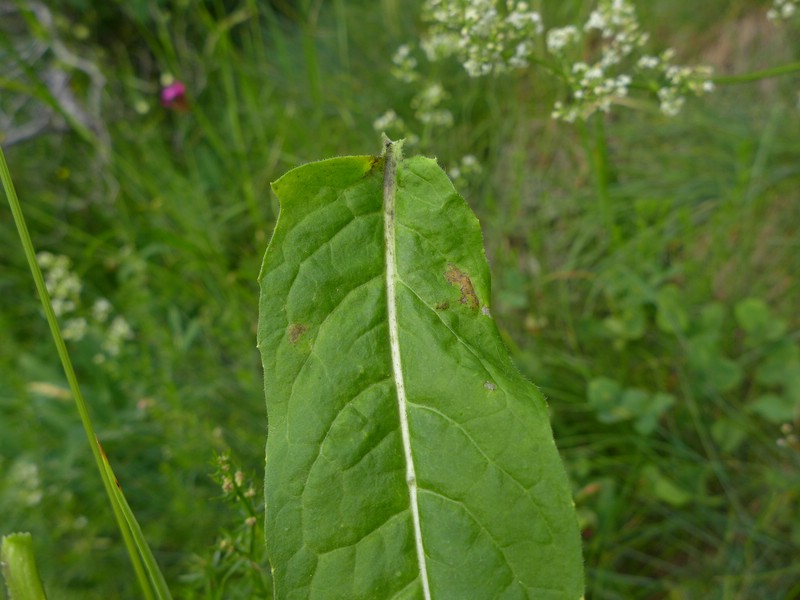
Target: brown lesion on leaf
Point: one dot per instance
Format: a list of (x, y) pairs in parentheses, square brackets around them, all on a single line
[(461, 280), (295, 331), (376, 162), (442, 305)]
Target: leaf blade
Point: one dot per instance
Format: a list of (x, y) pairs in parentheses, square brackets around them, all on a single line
[(495, 517)]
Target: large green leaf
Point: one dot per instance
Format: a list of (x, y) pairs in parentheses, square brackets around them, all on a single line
[(406, 455)]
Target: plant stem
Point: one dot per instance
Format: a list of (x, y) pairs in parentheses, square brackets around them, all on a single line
[(19, 568), (309, 33), (757, 75), (596, 147)]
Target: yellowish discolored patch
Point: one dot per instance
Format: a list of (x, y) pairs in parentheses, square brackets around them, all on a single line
[(461, 280)]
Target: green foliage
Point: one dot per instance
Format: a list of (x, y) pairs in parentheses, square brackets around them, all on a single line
[(613, 404), (406, 456), (235, 568)]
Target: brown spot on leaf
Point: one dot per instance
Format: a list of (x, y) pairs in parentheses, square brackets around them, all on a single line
[(295, 331), (376, 162), (461, 280), (442, 305)]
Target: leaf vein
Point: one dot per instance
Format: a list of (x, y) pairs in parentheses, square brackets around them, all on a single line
[(525, 490)]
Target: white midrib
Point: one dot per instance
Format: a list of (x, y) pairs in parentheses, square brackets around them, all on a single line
[(392, 157)]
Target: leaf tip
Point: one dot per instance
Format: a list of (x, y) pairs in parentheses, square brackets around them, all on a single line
[(394, 147)]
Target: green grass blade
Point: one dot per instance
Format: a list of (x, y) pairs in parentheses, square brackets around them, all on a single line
[(150, 565), (105, 471)]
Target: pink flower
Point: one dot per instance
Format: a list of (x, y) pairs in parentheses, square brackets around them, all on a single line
[(174, 96)]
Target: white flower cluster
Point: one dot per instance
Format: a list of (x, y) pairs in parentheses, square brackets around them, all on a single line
[(616, 23), (599, 85), (678, 81), (607, 81), (62, 284), (783, 10), (600, 61), (427, 111), (592, 90), (560, 38), (64, 287), (486, 36), (118, 332)]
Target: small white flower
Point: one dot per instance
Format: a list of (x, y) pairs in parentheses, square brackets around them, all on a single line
[(596, 21), (62, 307), (783, 10), (141, 106), (404, 65), (648, 62), (24, 481), (75, 329), (470, 161), (484, 39), (387, 121), (45, 259), (440, 117), (118, 332), (101, 310), (671, 102), (561, 37)]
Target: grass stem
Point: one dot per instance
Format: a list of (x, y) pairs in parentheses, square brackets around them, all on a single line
[(83, 411)]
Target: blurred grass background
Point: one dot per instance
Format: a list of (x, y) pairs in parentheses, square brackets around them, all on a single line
[(669, 351)]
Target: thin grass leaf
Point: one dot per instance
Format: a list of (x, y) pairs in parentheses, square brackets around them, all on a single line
[(133, 546)]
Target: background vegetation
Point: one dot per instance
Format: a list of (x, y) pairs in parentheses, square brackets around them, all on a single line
[(645, 276)]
